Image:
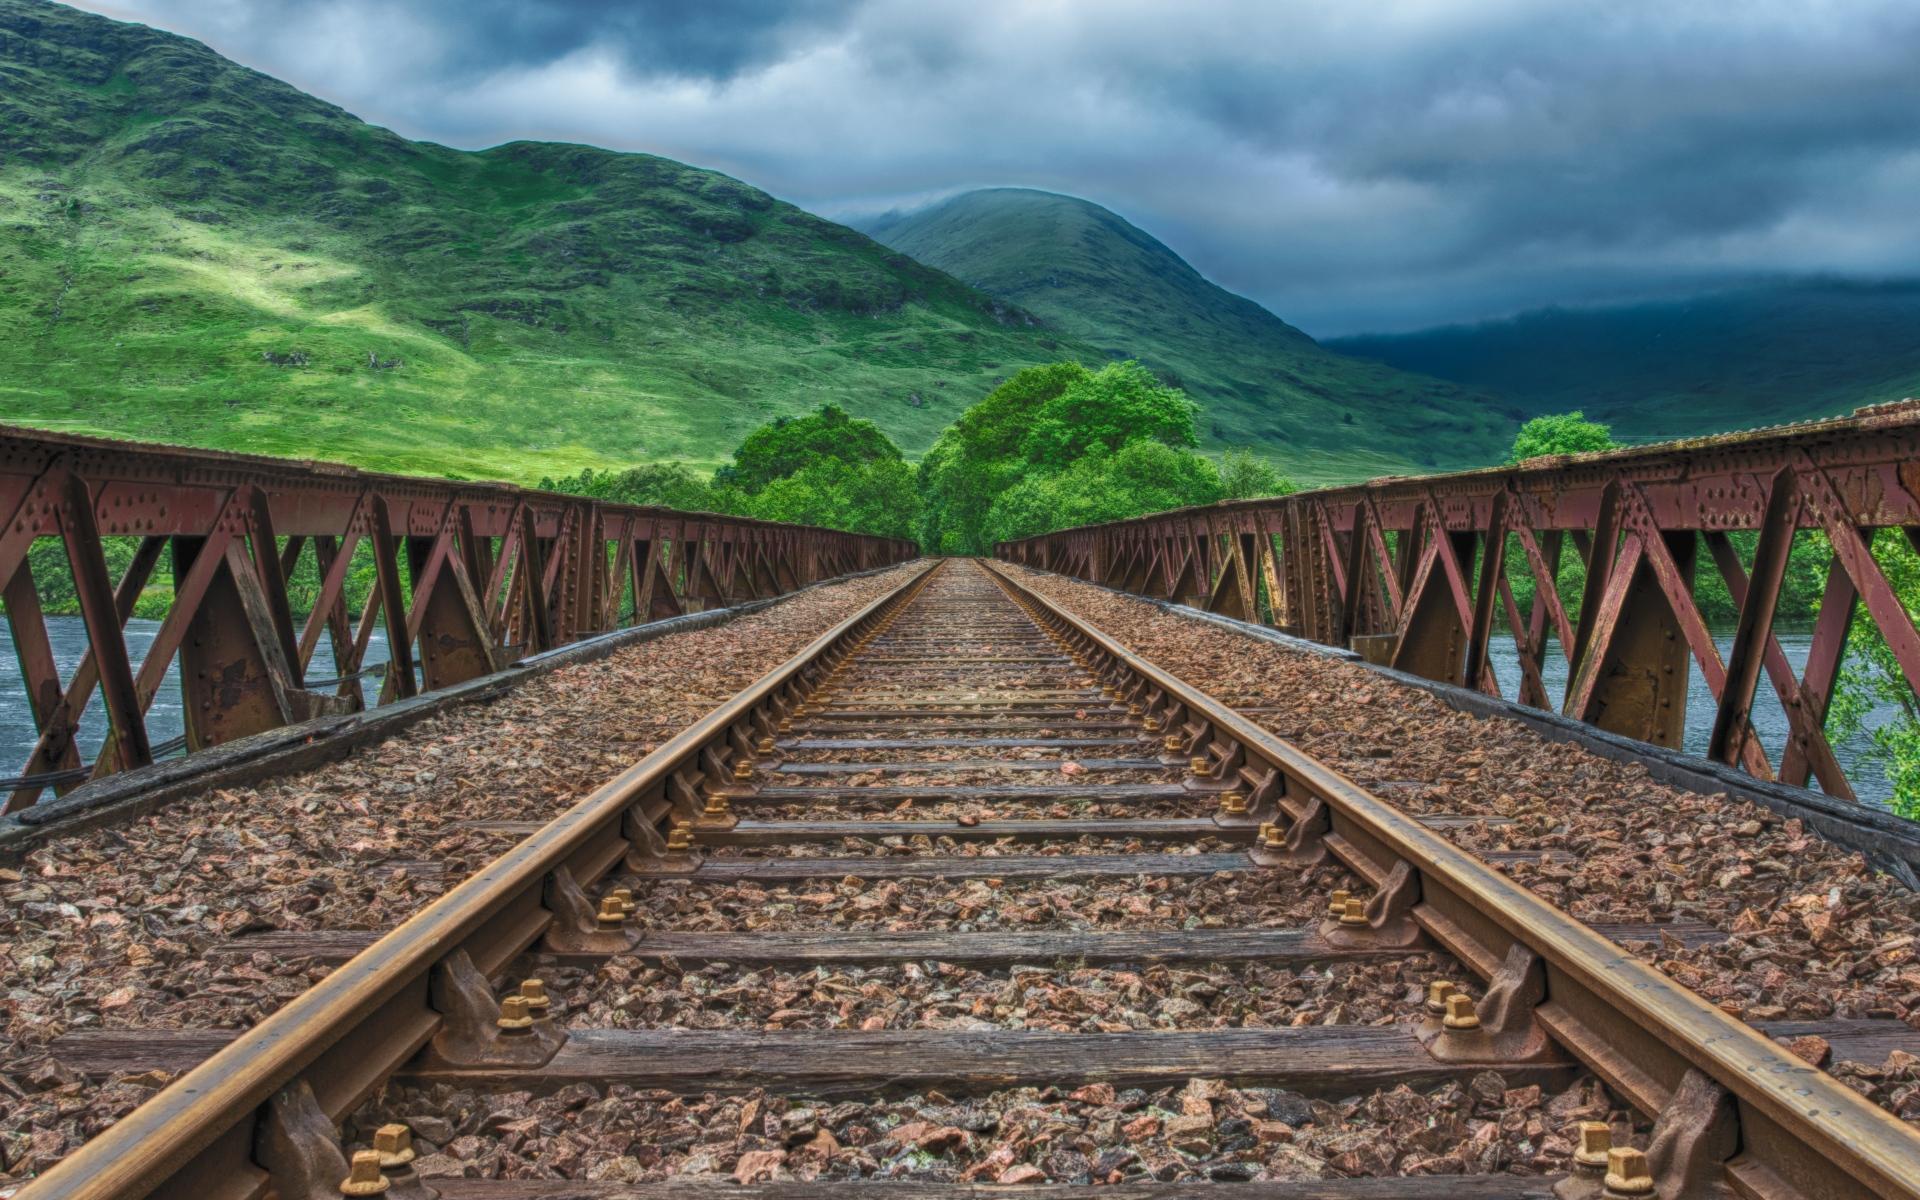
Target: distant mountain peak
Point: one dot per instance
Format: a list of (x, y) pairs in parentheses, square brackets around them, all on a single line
[(1093, 274)]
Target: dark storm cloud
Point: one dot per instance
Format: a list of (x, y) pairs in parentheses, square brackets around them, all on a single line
[(1351, 166)]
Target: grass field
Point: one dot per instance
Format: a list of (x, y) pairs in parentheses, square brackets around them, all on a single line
[(194, 252)]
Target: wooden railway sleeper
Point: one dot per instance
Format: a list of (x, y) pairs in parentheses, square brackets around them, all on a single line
[(478, 1032)]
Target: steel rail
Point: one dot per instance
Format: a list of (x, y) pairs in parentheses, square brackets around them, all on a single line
[(1801, 1132), (347, 1033)]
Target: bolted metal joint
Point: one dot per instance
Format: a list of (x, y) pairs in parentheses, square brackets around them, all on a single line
[(1501, 1027), (652, 854), (582, 926), (1382, 923), (479, 1031)]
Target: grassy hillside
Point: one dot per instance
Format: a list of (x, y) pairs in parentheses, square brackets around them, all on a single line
[(1260, 381), (194, 252), (1733, 360)]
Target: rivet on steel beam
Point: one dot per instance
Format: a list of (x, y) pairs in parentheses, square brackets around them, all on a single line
[(1355, 913), (1337, 903), (514, 1015), (534, 992), (1627, 1174), (363, 1176), (1460, 1013), (394, 1145), (1437, 993)]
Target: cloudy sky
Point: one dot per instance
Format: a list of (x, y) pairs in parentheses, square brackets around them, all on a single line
[(1353, 166)]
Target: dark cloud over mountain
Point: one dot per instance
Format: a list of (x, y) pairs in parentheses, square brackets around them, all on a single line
[(1351, 166)]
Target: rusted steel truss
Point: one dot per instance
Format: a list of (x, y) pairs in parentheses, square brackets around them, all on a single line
[(1418, 573), (466, 578)]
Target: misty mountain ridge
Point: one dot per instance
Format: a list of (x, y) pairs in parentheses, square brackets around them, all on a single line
[(1096, 277), (1738, 358)]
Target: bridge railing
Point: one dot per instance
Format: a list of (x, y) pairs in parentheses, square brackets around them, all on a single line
[(465, 578), (1418, 573)]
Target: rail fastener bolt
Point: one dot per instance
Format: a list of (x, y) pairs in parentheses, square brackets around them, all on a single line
[(1174, 743), (394, 1146), (611, 918), (1135, 709), (625, 896), (1437, 992), (363, 1176), (765, 746), (534, 992), (1271, 838), (1234, 804), (515, 1018), (1460, 1014), (1355, 912), (680, 838), (1201, 766), (1150, 724), (1337, 904), (716, 806), (743, 771), (1596, 1141), (1628, 1176)]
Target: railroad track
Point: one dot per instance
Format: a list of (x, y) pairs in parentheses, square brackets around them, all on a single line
[(964, 730)]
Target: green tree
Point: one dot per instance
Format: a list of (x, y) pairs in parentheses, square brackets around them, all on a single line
[(1120, 403), (1244, 477), (667, 485), (880, 497), (1872, 683), (1560, 433), (786, 446), (1102, 485), (977, 457)]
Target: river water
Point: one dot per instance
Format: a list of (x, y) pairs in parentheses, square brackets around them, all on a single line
[(1869, 779), (69, 639), (165, 718)]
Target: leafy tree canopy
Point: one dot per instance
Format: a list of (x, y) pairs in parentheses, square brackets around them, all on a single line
[(786, 446), (1560, 433), (1120, 403)]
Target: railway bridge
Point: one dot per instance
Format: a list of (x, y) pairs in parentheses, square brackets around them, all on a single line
[(516, 845)]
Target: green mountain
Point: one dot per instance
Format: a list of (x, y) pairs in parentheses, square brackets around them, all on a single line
[(195, 252), (1730, 360), (1094, 276)]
